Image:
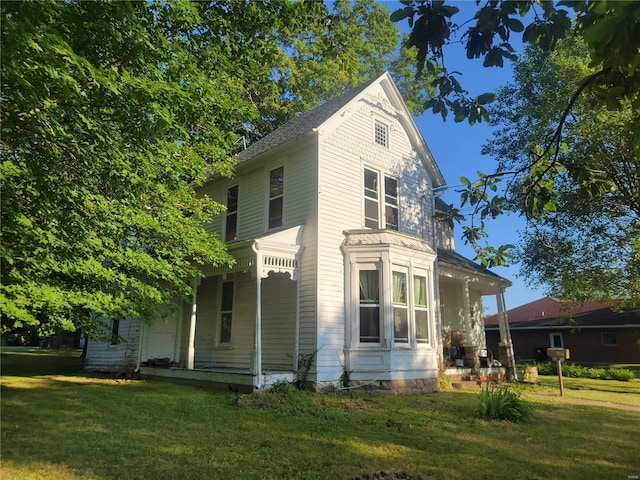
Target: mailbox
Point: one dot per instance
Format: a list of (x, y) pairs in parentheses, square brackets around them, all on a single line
[(558, 353)]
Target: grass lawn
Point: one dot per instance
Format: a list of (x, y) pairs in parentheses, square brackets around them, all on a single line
[(60, 423)]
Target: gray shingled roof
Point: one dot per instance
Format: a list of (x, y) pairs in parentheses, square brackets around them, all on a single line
[(302, 124)]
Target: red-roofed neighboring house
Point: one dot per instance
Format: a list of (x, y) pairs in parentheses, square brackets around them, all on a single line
[(594, 332)]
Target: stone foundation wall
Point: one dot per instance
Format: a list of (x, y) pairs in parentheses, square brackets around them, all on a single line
[(421, 385)]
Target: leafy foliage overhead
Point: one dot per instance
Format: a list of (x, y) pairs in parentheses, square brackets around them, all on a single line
[(114, 113), (582, 235), (608, 83), (609, 28)]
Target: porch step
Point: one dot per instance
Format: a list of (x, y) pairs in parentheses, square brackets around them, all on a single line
[(466, 381)]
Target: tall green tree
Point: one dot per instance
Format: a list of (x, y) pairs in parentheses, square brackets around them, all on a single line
[(609, 30), (584, 242), (337, 48), (113, 113)]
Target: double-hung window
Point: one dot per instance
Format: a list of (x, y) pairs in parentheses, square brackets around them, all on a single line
[(231, 226), (226, 312), (371, 202), (276, 197), (115, 332), (420, 308), (400, 308), (391, 203), (369, 306), (380, 208)]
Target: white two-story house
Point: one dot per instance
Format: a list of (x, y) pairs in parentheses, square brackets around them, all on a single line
[(341, 271)]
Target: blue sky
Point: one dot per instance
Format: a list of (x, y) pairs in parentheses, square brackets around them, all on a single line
[(456, 148)]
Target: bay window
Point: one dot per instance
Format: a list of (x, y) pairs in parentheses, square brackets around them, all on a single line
[(369, 306), (400, 308), (420, 310)]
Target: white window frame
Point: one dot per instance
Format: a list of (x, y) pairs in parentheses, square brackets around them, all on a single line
[(421, 308), (381, 262), (552, 343), (397, 307), (381, 199), (271, 198), (381, 132), (222, 312), (229, 213), (366, 267), (609, 344)]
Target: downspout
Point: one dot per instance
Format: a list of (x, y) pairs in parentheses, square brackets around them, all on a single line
[(436, 285), (257, 348), (296, 347)]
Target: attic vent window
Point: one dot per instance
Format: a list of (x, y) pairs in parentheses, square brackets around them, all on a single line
[(381, 132)]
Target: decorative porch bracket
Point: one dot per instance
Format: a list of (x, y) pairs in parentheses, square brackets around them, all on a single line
[(279, 253)]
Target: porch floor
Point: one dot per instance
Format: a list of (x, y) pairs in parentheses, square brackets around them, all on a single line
[(235, 379)]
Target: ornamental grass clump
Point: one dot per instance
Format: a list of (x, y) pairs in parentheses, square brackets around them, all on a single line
[(500, 403)]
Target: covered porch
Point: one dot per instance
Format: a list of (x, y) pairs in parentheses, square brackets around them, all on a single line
[(463, 285), (226, 333)]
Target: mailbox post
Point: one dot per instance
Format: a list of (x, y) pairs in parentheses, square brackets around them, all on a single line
[(559, 354)]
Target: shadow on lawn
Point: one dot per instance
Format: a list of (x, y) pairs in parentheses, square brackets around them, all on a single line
[(29, 362), (153, 430)]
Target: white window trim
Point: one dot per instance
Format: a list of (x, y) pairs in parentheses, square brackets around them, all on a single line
[(355, 277), (410, 343), (610, 345), (387, 126), (381, 261), (382, 197), (218, 343), (269, 198), (551, 335), (224, 223)]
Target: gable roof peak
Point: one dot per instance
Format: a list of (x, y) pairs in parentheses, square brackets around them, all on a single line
[(312, 120), (306, 122)]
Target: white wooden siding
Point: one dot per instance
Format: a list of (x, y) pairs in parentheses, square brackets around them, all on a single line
[(102, 356), (278, 321), (160, 336), (206, 315), (345, 148), (237, 354)]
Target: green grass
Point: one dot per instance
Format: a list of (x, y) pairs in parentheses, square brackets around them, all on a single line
[(614, 391), (60, 423)]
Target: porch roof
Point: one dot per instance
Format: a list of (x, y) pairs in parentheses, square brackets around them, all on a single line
[(273, 252), (451, 262)]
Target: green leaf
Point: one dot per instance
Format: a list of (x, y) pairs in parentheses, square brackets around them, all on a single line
[(514, 24), (401, 14), (486, 98)]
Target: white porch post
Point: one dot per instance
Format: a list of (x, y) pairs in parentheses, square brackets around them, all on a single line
[(192, 325), (466, 305), (257, 347), (502, 324), (505, 338)]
